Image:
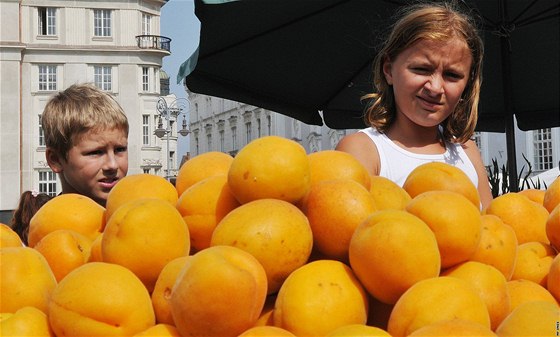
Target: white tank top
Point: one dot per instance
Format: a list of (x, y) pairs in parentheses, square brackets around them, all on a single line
[(396, 163)]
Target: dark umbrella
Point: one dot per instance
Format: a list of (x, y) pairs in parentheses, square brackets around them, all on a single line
[(312, 60)]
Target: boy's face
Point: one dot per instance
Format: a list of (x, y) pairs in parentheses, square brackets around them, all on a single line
[(96, 162)]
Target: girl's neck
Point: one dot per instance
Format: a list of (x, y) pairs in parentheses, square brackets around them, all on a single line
[(417, 139)]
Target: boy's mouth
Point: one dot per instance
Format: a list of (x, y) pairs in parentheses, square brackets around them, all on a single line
[(109, 182)]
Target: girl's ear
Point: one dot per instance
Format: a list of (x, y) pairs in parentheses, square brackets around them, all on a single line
[(54, 160), (387, 67)]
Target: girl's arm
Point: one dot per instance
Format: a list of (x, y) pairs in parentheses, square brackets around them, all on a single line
[(483, 185), (362, 148)]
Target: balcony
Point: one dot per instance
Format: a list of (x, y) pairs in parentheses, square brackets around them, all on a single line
[(153, 42)]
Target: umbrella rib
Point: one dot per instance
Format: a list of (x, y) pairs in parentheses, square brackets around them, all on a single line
[(540, 16)]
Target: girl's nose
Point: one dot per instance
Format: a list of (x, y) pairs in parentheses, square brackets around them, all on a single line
[(434, 86)]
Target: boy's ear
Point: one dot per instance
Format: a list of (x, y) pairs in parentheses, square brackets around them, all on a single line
[(54, 160)]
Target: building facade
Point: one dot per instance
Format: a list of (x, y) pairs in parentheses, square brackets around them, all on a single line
[(46, 46), (219, 124)]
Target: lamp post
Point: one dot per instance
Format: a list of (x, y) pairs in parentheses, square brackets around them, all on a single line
[(171, 112)]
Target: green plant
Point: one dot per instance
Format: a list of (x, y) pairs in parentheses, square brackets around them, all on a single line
[(498, 177)]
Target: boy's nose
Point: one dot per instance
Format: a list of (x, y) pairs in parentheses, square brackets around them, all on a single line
[(110, 161)]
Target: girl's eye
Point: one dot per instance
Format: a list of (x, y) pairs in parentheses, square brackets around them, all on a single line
[(454, 76), (121, 149)]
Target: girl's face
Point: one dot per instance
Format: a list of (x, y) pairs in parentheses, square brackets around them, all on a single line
[(96, 162), (428, 80)]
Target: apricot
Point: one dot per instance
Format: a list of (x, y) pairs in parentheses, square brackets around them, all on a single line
[(437, 299), (26, 279), (274, 231), (552, 195), (100, 299), (67, 211), (319, 297), (200, 167), (393, 238), (552, 228), (270, 167), (64, 250), (536, 318), (266, 331), (159, 330), (534, 195), (140, 186), (203, 206), (143, 235), (533, 262), (357, 330), (27, 321), (163, 288), (387, 194), (453, 327), (8, 237), (454, 220), (335, 208), (436, 176), (333, 164), (522, 291), (553, 281), (526, 217), (220, 292), (497, 246), (489, 283)]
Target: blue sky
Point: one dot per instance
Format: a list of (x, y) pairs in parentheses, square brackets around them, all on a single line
[(179, 23)]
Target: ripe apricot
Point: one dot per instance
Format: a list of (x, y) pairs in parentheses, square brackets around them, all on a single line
[(533, 262), (95, 254), (140, 186), (274, 231), (454, 220), (143, 235), (335, 208), (333, 164), (534, 195), (526, 217), (27, 321), (521, 291), (160, 330), (265, 318), (536, 318), (203, 206), (100, 299), (67, 211), (552, 228), (552, 195), (266, 331), (453, 327), (163, 288), (200, 167), (220, 292), (319, 297), (387, 194), (357, 330), (26, 279), (393, 238), (64, 250), (436, 176), (436, 299), (553, 281), (270, 167), (490, 285), (497, 246), (8, 237)]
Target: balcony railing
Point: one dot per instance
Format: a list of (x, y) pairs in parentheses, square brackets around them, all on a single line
[(153, 42)]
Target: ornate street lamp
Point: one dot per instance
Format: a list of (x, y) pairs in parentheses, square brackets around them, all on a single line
[(171, 112)]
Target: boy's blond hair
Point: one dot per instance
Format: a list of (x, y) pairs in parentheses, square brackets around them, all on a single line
[(76, 110)]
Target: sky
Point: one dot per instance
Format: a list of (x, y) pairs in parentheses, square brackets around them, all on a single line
[(179, 23)]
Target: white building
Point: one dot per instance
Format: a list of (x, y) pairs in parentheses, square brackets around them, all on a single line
[(222, 125), (46, 46)]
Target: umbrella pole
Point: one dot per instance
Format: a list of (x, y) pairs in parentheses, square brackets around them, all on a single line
[(508, 97)]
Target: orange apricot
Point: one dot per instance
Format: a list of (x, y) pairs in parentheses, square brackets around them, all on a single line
[(387, 194), (553, 281), (552, 228), (27, 321), (163, 288), (536, 318), (522, 291), (333, 164), (8, 237), (453, 327), (552, 195), (533, 262), (200, 167)]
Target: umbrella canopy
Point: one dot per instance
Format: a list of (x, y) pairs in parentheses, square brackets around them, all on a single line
[(312, 60)]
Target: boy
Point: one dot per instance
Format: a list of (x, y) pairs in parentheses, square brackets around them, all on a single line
[(86, 134)]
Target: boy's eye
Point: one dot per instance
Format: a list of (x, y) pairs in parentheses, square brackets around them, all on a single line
[(94, 153)]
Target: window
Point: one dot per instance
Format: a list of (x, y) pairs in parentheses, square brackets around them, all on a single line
[(222, 140), (47, 21), (146, 171), (477, 137), (145, 129), (248, 132), (259, 128), (145, 79), (542, 147), (47, 78), (197, 145), (47, 182), (102, 77), (209, 139), (146, 24), (102, 22), (268, 125), (234, 138), (41, 132)]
